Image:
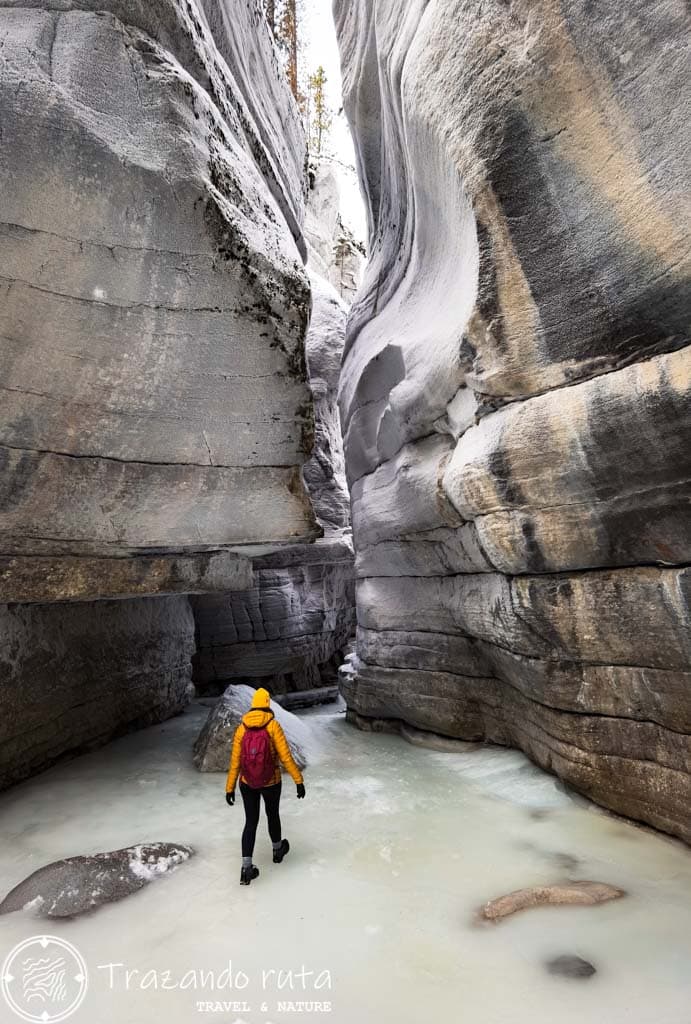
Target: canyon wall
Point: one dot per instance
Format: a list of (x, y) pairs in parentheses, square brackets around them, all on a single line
[(514, 395), (155, 412), (288, 631), (334, 252), (73, 676), (154, 299)]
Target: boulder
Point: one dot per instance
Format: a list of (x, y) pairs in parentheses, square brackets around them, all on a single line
[(214, 743), (77, 885), (570, 966)]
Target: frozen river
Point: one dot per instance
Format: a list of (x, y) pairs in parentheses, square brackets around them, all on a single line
[(392, 851)]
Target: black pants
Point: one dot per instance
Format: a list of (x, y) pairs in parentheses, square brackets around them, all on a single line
[(251, 798)]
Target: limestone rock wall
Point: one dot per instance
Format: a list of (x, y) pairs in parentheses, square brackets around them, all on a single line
[(154, 300), (73, 676), (514, 393), (334, 252), (288, 631), (155, 414)]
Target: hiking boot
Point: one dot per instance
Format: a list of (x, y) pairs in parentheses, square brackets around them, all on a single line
[(247, 874), (280, 853)]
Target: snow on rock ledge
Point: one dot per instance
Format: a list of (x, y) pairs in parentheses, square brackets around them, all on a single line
[(514, 393)]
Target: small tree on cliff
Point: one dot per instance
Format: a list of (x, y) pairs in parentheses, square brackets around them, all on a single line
[(286, 34), (270, 9), (318, 112), (285, 19), (345, 253)]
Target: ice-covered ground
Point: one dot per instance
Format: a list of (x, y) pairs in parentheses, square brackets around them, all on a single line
[(393, 849)]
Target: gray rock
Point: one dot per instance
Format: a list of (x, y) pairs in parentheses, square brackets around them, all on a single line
[(307, 698), (515, 386), (67, 888), (288, 630), (73, 676), (324, 472), (570, 966), (213, 745), (334, 253), (154, 300)]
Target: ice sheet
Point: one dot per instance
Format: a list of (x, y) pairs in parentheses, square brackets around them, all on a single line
[(392, 850)]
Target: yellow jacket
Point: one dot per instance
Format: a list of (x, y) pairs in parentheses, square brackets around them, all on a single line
[(259, 715)]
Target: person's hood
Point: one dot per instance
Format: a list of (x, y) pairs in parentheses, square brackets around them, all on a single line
[(260, 714)]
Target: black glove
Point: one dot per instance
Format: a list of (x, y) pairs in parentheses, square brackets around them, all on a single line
[(301, 790), (230, 798)]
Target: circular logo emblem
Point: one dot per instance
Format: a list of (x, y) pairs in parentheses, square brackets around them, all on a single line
[(44, 979)]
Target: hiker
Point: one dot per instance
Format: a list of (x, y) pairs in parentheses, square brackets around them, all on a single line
[(258, 746)]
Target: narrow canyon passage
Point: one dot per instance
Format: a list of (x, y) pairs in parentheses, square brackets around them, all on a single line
[(393, 851), (345, 368)]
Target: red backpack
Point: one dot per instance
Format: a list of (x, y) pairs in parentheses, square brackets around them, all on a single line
[(257, 760)]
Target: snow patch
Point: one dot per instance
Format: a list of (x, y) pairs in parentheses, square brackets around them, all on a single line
[(150, 867), (35, 905)]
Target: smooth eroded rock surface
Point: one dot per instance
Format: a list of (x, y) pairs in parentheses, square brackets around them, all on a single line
[(571, 894), (515, 388)]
